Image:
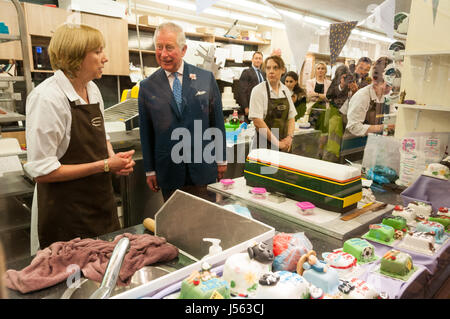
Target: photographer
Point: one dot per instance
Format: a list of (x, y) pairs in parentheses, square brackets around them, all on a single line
[(340, 90)]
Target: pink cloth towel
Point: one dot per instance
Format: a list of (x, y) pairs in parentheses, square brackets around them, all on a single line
[(50, 266)]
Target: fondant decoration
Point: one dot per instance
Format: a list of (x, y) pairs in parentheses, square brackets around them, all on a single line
[(261, 252), (287, 249), (407, 213), (316, 293), (437, 170), (327, 185), (396, 222), (395, 262), (432, 227), (243, 271), (282, 285), (317, 273), (361, 249), (343, 262), (401, 22), (421, 208), (441, 219), (357, 289), (339, 33), (204, 285), (443, 211), (420, 242), (398, 234), (306, 208), (382, 233)]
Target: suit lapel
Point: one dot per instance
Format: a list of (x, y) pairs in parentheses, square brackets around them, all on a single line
[(169, 94), (186, 86)]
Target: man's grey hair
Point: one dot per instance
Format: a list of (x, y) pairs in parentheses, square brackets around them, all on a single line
[(173, 27)]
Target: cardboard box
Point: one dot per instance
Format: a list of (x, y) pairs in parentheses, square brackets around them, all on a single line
[(151, 20)]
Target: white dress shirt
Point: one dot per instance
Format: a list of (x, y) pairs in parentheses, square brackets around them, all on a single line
[(259, 100), (357, 109), (48, 127)]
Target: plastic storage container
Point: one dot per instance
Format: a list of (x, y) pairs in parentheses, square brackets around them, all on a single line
[(227, 183), (259, 192), (306, 208)]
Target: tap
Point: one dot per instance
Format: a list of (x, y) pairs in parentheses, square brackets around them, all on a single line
[(112, 270)]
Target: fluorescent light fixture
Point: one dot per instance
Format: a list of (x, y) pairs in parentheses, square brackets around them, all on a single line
[(372, 36)]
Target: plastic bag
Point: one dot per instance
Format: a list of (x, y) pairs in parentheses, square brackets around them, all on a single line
[(382, 151), (287, 249)]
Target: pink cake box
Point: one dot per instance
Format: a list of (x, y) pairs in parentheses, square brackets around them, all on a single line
[(306, 208), (227, 183), (259, 192)]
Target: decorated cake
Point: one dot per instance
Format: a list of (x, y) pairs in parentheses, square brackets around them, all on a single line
[(421, 208), (441, 219), (327, 185), (228, 100), (396, 263), (242, 271), (282, 285), (398, 223), (443, 211), (357, 289), (287, 249), (317, 273), (381, 233), (204, 285), (361, 249), (433, 227), (437, 170), (406, 213), (419, 241), (343, 262)]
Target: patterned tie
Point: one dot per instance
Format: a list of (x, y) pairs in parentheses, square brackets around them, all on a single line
[(260, 78), (177, 90)]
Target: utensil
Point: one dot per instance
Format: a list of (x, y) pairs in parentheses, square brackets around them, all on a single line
[(359, 212)]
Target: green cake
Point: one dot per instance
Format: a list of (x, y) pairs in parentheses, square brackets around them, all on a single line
[(396, 263), (382, 233), (361, 249), (204, 285), (441, 219), (396, 222)]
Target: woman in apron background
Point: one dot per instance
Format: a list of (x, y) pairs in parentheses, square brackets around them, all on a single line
[(69, 153), (365, 109), (272, 110)]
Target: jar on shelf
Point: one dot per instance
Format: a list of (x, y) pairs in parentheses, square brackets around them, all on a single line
[(306, 208), (227, 183), (259, 192)]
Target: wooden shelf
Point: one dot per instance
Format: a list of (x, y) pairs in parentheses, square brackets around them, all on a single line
[(439, 108), (151, 28), (426, 53), (143, 51)]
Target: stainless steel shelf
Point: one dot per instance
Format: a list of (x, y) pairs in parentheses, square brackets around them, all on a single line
[(11, 117)]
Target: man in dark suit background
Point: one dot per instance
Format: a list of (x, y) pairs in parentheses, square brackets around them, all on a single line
[(249, 79), (178, 104)]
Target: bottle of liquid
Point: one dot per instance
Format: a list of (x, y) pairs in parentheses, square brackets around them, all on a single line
[(235, 119)]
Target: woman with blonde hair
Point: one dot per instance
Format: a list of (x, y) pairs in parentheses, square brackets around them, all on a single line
[(69, 153), (317, 87)]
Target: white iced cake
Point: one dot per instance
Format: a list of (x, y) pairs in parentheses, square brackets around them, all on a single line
[(419, 241), (282, 285), (228, 100)]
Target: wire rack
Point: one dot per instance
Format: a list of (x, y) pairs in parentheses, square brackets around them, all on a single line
[(122, 112)]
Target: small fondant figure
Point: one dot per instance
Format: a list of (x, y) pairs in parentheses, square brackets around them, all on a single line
[(313, 263), (269, 279), (261, 252)]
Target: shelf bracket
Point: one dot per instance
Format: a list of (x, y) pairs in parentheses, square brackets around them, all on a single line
[(417, 119)]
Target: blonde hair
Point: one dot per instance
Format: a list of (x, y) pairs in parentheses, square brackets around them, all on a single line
[(69, 45), (315, 69)]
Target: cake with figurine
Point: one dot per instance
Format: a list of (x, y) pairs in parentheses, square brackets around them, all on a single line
[(344, 263), (420, 242), (380, 233), (355, 288), (204, 284), (282, 285), (407, 213), (421, 208), (242, 271), (318, 273)]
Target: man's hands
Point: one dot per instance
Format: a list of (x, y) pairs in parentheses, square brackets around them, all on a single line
[(153, 183), (285, 144), (121, 163), (221, 169)]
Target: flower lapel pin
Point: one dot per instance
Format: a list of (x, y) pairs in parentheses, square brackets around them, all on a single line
[(193, 76)]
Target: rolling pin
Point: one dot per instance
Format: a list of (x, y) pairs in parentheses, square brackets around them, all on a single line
[(373, 207), (149, 224)]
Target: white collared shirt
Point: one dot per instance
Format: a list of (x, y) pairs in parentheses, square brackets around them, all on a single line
[(49, 121), (259, 100), (171, 78), (357, 109)]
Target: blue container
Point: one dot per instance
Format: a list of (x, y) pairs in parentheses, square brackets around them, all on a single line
[(4, 28)]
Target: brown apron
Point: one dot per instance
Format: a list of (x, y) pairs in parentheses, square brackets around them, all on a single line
[(277, 115), (374, 114), (84, 207)]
